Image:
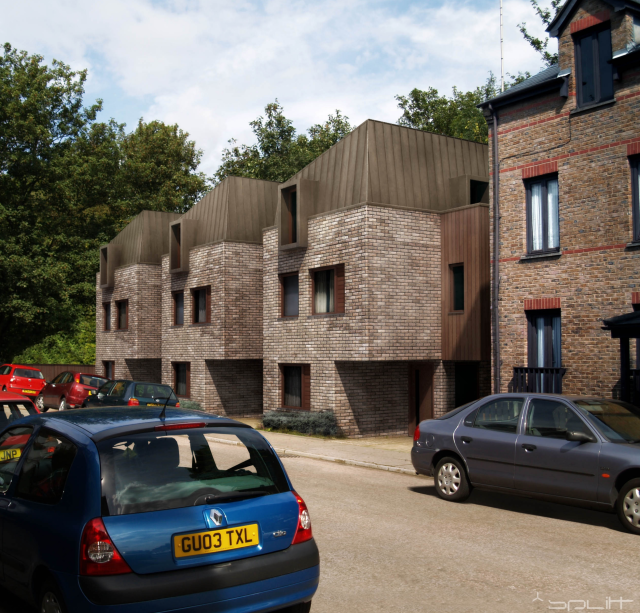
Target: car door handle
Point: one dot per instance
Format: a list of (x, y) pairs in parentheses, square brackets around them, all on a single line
[(6, 504), (528, 447), (466, 439)]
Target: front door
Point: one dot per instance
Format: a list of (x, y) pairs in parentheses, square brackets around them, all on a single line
[(420, 393)]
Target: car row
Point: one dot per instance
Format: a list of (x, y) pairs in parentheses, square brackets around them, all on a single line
[(68, 390)]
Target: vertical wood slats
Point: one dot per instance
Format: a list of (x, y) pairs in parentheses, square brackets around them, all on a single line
[(339, 288), (465, 240), (306, 386)]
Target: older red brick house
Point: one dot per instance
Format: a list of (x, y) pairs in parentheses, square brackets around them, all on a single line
[(565, 216), (360, 285)]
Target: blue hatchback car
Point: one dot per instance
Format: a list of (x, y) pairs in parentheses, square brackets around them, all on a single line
[(119, 508)]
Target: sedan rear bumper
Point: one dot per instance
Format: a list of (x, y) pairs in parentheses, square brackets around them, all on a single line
[(422, 458)]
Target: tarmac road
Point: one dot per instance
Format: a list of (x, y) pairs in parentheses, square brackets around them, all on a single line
[(387, 543)]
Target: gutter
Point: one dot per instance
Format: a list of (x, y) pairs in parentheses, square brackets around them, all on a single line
[(496, 253)]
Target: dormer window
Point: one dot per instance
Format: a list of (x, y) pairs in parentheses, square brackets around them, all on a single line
[(291, 202), (594, 73)]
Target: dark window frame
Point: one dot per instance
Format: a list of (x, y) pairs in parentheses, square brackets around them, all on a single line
[(282, 296), (305, 386), (106, 316), (578, 38), (634, 163), (532, 354), (338, 289), (174, 366), (452, 269), (105, 369), (174, 318), (529, 183), (194, 309), (118, 303)]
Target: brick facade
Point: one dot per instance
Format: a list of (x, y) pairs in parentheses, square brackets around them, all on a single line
[(596, 272)]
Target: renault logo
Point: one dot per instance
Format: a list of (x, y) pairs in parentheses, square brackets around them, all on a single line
[(216, 517)]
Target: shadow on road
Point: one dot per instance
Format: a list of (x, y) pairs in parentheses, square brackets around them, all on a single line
[(531, 506)]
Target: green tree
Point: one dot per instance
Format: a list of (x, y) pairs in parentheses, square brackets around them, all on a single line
[(546, 15), (279, 152)]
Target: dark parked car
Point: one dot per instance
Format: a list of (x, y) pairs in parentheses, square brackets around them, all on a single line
[(68, 390), (576, 450), (133, 394), (118, 510)]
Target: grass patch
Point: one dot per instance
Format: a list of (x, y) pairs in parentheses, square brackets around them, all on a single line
[(302, 422)]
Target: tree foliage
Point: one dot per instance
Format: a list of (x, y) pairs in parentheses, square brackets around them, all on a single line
[(546, 15), (279, 152), (69, 183)]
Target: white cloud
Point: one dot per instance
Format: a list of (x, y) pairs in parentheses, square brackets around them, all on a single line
[(211, 66)]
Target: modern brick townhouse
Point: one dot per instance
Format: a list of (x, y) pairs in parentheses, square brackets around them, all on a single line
[(360, 285), (565, 216)]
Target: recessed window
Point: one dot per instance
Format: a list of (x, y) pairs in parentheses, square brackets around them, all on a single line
[(635, 196), (175, 246), (122, 314), (543, 233), (295, 386), (328, 290), (104, 260), (108, 368), (594, 76), (457, 284), (182, 378), (478, 191), (178, 308), (291, 203), (106, 315), (289, 287), (201, 305), (545, 340)]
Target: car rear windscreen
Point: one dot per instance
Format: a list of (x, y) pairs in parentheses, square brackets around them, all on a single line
[(149, 390), (10, 411), (27, 372), (92, 381), (155, 471)]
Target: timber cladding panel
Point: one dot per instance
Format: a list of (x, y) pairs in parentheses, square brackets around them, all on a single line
[(465, 240)]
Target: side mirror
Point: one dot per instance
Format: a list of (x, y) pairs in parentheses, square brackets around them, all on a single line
[(579, 437)]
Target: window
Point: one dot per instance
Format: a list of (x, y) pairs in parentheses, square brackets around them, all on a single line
[(502, 415), (553, 419), (201, 305), (6, 369), (12, 443), (122, 307), (182, 378), (175, 246), (594, 73), (106, 310), (91, 380), (289, 295), (543, 233), (10, 411), (291, 202), (328, 290), (544, 339), (178, 308), (27, 373), (108, 368), (295, 380), (478, 191), (104, 279), (457, 284), (635, 196), (46, 468)]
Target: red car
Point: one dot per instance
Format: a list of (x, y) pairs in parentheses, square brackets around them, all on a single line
[(25, 380), (12, 407), (68, 390)]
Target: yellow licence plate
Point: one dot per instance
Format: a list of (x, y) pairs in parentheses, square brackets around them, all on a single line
[(29, 392), (223, 539), (154, 404), (90, 392), (9, 454)]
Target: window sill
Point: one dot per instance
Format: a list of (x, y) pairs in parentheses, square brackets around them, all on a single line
[(198, 324), (541, 256), (288, 317), (456, 312), (121, 330), (176, 326), (291, 246), (633, 245), (289, 409), (589, 107), (321, 315)]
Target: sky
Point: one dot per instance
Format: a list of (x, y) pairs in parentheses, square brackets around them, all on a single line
[(212, 66)]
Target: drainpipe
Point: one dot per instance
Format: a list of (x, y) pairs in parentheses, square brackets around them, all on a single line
[(496, 253)]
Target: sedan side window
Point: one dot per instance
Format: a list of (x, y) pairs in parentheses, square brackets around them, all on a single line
[(106, 388), (46, 467), (5, 370), (552, 419), (502, 415), (58, 378), (118, 389), (12, 443)]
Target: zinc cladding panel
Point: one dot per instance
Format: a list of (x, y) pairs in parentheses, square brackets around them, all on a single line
[(130, 241), (154, 242)]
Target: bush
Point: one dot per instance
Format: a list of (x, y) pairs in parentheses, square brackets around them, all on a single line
[(191, 405), (305, 422)]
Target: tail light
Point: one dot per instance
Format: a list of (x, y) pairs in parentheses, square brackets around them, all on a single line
[(98, 554), (416, 434), (133, 402), (303, 531), (177, 405)]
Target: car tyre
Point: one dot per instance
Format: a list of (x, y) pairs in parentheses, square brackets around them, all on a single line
[(451, 480), (63, 405), (40, 404), (51, 600), (628, 506)]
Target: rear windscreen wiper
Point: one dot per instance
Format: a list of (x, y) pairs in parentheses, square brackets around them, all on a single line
[(225, 496)]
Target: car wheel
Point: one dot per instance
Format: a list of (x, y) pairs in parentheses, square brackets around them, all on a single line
[(629, 505), (63, 405), (51, 600), (451, 480), (40, 403)]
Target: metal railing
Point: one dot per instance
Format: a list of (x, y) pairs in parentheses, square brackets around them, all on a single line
[(538, 380)]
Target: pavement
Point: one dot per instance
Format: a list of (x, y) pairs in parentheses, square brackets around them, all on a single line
[(389, 453)]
